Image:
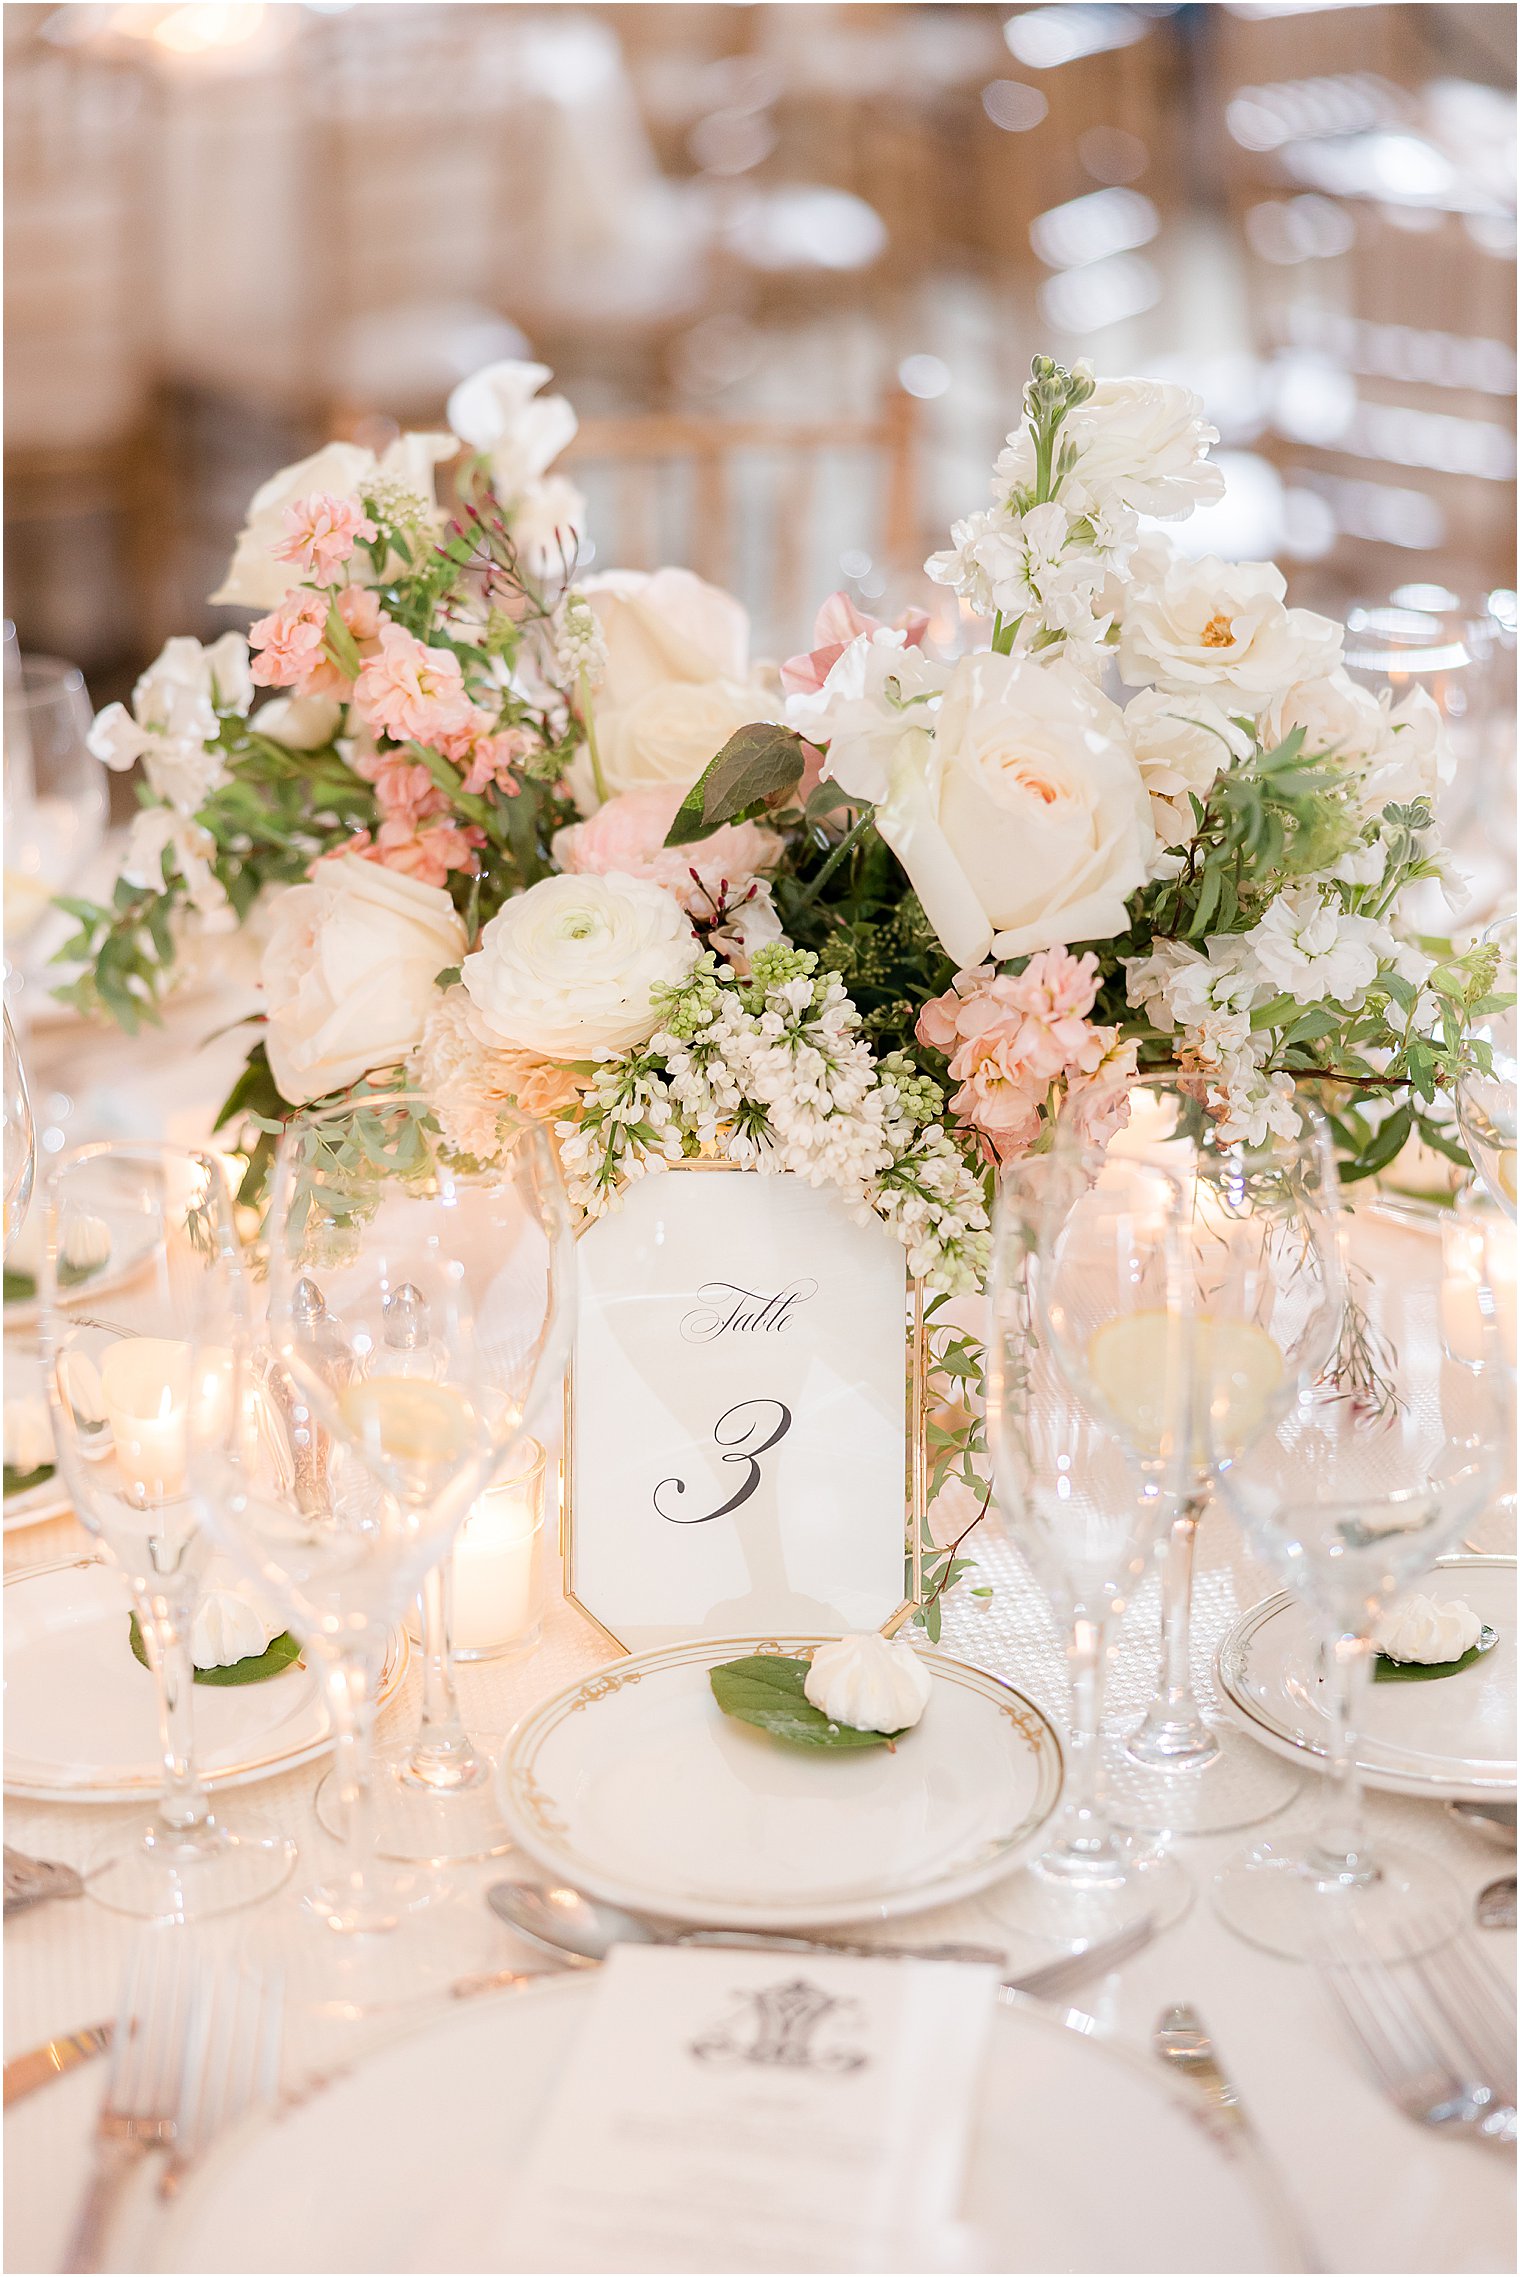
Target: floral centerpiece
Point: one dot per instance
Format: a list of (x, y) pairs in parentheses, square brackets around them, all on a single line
[(878, 918)]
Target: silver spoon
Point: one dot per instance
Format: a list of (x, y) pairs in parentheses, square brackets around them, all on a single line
[(1495, 1908), (1495, 1820), (583, 1930)]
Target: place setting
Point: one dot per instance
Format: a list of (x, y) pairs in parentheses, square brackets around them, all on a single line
[(736, 1544)]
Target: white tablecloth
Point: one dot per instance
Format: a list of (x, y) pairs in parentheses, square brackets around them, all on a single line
[(1374, 2192)]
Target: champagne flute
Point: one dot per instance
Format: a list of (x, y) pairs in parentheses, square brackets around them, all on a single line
[(352, 1481), (1371, 1474), (1265, 1308), (1486, 1100), (1085, 1515), (20, 1139), (128, 1403)]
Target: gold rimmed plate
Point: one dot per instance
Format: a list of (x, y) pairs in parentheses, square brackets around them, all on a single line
[(634, 1786), (80, 1722)]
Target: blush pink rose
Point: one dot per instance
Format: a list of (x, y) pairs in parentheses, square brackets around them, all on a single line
[(839, 622), (627, 835)]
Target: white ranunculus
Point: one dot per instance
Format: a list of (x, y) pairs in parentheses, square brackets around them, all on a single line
[(1181, 743), (1021, 820), (568, 969), (255, 578), (875, 691), (301, 723), (500, 412), (1223, 625), (677, 682), (348, 973)]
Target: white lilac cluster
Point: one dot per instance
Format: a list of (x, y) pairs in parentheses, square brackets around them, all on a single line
[(1047, 557), (172, 728), (777, 1077)]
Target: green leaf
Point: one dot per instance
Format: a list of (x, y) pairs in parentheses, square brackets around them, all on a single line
[(20, 1288), (1386, 1671), (1387, 1143), (277, 1654), (755, 763), (767, 1690), (19, 1482)]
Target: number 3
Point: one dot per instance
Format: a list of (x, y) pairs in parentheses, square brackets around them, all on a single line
[(739, 1451)]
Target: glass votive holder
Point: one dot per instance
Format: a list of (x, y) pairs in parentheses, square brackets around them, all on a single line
[(498, 1573)]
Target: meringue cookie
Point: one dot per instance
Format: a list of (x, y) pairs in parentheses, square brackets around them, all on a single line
[(227, 1628), (86, 1244), (28, 1434), (1418, 1628), (868, 1683)]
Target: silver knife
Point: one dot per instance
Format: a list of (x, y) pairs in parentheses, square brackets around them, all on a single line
[(33, 2070)]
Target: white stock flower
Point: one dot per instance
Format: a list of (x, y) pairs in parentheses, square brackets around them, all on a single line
[(569, 968), (877, 690), (677, 681), (1021, 820), (348, 973), (1141, 446), (499, 411), (1223, 626), (1310, 950), (1181, 743), (256, 578)]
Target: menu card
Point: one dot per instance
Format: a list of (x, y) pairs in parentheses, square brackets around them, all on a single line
[(727, 2109)]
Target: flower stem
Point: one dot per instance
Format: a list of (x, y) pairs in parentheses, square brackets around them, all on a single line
[(588, 721), (846, 846)]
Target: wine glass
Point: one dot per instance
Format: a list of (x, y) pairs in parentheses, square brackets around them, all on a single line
[(1478, 1296), (128, 1399), (56, 803), (1262, 1265), (1486, 1100), (20, 1139), (1086, 1517), (1373, 1472), (416, 1311)]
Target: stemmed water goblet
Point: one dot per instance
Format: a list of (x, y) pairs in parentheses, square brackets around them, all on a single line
[(20, 1138), (1264, 1299), (1371, 1475), (128, 1402), (416, 1309), (1085, 1515)]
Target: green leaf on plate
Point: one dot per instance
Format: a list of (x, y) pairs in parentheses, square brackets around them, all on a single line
[(767, 1690), (277, 1654), (1386, 1671), (18, 1482), (20, 1288)]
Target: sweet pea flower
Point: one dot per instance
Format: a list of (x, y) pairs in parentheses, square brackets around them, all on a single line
[(839, 622), (321, 533), (411, 692)]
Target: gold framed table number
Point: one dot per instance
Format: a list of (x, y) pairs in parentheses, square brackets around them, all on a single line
[(744, 1413)]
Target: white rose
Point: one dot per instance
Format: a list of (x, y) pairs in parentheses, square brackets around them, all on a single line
[(255, 579), (1336, 715), (1181, 743), (348, 973), (1417, 759), (301, 723), (1223, 625), (499, 411), (568, 969), (1021, 819), (677, 682)]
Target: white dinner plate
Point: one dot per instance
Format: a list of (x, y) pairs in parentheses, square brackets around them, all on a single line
[(133, 1240), (79, 1708), (1084, 2156), (632, 1784), (1452, 1738)]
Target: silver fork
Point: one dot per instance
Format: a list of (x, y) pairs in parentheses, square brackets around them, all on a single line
[(142, 2094), (231, 2062), (1437, 2031)]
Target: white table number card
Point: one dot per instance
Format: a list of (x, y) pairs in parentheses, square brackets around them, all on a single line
[(738, 1435), (758, 2111)]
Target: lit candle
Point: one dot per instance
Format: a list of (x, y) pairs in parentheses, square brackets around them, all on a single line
[(498, 1561), (1478, 1292), (148, 1395)]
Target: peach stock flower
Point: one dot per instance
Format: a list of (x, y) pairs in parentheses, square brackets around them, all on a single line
[(321, 533), (1009, 1037), (288, 644), (411, 692), (839, 622)]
